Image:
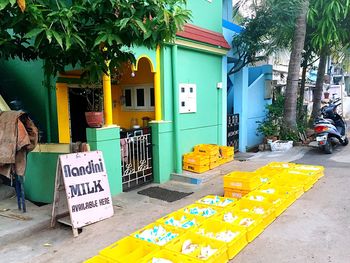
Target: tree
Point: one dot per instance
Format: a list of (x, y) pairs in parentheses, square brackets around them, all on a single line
[(331, 22), (327, 29), (290, 105), (317, 92), (268, 29), (86, 32)]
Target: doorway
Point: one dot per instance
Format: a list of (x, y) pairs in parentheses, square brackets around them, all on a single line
[(77, 108)]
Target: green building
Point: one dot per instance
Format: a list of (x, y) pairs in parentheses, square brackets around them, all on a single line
[(171, 100)]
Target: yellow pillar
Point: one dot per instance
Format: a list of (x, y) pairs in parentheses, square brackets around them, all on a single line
[(107, 98), (63, 113), (157, 93)]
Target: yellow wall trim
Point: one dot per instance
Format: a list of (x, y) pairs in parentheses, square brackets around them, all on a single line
[(63, 113), (135, 67), (157, 88), (189, 44)]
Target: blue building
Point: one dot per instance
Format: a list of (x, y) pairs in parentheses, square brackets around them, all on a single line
[(248, 91)]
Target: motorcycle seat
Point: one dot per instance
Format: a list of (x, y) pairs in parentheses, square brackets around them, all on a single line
[(330, 121), (325, 121)]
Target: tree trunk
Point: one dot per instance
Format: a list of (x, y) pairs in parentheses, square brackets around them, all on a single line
[(317, 92), (290, 105), (302, 91)]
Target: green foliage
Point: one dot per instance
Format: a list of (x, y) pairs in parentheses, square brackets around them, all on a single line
[(273, 124), (269, 29), (87, 32), (330, 22), (288, 134)]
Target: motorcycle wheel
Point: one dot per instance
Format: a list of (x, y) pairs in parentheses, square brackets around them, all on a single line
[(345, 142), (328, 148)]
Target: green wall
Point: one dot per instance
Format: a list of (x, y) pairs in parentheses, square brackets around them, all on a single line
[(163, 151), (167, 88), (24, 81), (107, 140), (206, 14), (204, 70), (40, 176), (204, 126)]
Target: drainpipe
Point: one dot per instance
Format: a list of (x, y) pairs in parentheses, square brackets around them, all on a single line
[(176, 127), (219, 116)]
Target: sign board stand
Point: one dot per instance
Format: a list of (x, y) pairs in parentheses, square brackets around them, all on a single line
[(82, 194), (60, 205)]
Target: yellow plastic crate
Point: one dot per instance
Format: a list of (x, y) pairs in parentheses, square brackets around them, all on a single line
[(226, 151), (128, 249), (214, 158), (99, 259), (220, 256), (196, 168), (210, 149), (293, 186), (200, 210), (229, 158), (181, 220), (280, 166), (313, 169), (166, 254), (159, 240), (267, 175), (279, 202), (268, 171), (211, 228), (252, 223), (222, 161), (235, 193), (214, 164), (290, 196), (263, 209), (217, 201), (246, 181), (306, 180), (196, 158)]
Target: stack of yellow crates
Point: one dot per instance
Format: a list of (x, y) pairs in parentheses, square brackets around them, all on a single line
[(206, 157), (210, 150), (196, 162), (238, 184), (227, 153)]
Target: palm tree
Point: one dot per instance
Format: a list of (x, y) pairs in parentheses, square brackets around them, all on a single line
[(290, 105), (317, 92)]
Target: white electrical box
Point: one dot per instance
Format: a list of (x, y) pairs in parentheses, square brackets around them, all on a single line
[(187, 98)]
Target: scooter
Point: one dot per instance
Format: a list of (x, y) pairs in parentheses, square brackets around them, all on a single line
[(330, 128)]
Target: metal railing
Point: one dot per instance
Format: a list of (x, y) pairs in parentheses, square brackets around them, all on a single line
[(233, 130), (136, 160)]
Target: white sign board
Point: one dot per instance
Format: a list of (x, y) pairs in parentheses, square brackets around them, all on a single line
[(187, 98), (87, 188)]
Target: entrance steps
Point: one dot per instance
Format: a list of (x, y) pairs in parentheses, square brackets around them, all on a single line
[(194, 178)]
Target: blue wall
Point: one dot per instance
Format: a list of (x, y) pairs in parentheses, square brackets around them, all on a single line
[(249, 102), (227, 10), (257, 102), (245, 89)]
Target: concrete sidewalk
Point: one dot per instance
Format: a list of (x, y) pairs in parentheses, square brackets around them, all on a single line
[(16, 225), (34, 241)]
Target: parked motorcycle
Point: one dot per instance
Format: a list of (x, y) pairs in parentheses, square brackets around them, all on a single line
[(330, 127)]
